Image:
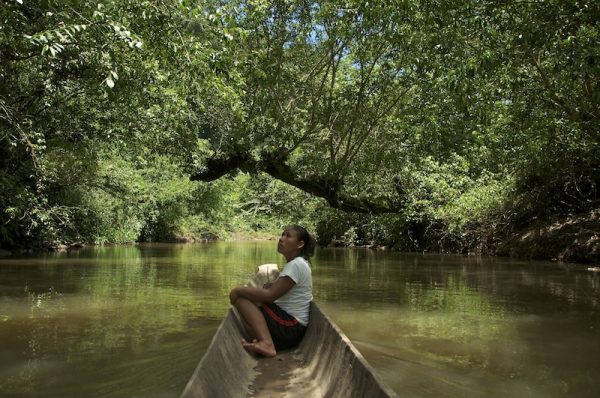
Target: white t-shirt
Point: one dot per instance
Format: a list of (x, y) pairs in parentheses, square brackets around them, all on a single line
[(296, 301)]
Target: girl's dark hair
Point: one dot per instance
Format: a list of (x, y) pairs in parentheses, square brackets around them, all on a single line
[(309, 242)]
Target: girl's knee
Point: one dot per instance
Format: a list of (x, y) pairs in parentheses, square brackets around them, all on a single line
[(241, 302)]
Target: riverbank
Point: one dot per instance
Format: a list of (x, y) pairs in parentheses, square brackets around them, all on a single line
[(573, 238), (205, 238)]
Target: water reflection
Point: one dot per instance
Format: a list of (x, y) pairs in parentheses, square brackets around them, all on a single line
[(134, 321), (114, 321), (454, 326)]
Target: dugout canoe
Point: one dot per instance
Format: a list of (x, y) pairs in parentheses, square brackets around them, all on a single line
[(325, 364)]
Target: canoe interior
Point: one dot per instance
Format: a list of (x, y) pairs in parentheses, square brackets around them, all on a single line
[(325, 364)]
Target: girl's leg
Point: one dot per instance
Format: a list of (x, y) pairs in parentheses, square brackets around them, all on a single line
[(257, 326), (248, 329)]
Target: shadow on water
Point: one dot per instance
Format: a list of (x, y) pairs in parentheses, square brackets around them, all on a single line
[(134, 321)]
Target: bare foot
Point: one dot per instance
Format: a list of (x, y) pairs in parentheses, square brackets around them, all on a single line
[(247, 345), (260, 347)]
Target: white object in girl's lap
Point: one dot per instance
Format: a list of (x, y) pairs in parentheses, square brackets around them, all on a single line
[(266, 274)]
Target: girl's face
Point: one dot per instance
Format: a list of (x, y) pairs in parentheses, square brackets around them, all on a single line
[(288, 244)]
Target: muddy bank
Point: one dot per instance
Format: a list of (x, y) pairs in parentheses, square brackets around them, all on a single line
[(574, 239), (570, 239)]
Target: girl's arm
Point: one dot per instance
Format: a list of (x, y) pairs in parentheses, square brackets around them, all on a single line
[(280, 287)]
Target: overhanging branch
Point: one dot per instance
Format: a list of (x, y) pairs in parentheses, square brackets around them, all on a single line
[(217, 167), (323, 187)]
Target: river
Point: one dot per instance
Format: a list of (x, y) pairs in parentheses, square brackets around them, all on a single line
[(135, 320)]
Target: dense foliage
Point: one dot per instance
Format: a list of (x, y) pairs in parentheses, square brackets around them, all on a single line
[(394, 122)]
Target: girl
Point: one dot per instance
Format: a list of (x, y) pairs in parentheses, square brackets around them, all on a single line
[(281, 316)]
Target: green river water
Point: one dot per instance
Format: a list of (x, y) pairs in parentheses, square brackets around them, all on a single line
[(134, 321)]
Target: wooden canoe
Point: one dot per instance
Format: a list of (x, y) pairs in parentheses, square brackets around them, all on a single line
[(325, 364)]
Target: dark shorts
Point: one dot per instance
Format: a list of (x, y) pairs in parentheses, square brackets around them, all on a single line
[(286, 331)]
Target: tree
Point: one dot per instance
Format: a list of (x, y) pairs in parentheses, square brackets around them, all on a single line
[(79, 81), (410, 108), (320, 81)]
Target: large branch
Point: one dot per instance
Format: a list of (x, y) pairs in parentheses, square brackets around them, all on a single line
[(274, 165), (216, 167)]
